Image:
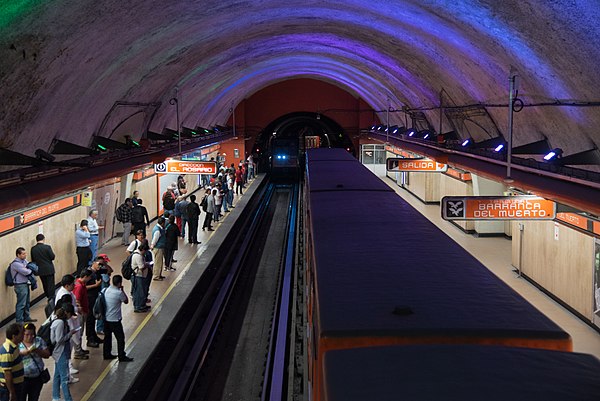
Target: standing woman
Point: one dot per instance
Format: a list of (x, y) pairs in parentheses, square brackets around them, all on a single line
[(61, 336), (33, 349)]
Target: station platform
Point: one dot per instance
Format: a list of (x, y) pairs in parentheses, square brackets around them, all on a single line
[(101, 380)]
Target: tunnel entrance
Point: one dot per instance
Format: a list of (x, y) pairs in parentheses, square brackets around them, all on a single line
[(303, 125)]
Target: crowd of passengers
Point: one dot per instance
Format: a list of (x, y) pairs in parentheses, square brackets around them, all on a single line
[(72, 310)]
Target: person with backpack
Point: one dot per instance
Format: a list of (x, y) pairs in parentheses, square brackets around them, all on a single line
[(60, 336), (139, 217), (140, 271), (123, 215), (19, 272), (33, 348)]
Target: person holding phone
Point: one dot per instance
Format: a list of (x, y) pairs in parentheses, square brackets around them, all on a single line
[(61, 336), (33, 349), (115, 296)]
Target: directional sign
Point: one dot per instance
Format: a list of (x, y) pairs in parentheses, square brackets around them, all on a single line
[(185, 167), (523, 207), (415, 164)]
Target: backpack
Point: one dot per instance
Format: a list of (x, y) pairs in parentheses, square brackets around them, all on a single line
[(99, 309), (204, 203), (137, 215), (9, 280), (168, 201), (44, 333), (126, 268)]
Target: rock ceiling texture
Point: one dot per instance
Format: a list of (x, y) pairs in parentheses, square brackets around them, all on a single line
[(64, 64)]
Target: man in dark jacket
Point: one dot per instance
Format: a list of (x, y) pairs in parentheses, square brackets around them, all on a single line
[(139, 217), (193, 214), (43, 256)]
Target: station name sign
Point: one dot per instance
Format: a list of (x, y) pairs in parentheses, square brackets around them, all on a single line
[(185, 167), (395, 164), (523, 207)]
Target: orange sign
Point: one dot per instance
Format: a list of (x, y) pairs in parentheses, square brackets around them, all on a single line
[(497, 208), (39, 213), (573, 219), (415, 164), (185, 167)]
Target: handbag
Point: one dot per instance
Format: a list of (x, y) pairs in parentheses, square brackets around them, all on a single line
[(44, 374)]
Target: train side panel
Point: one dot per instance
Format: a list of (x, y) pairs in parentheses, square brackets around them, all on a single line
[(465, 372)]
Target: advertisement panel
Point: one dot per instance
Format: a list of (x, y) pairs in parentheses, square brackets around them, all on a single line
[(423, 165), (522, 207)]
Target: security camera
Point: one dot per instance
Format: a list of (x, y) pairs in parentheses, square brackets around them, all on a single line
[(43, 155)]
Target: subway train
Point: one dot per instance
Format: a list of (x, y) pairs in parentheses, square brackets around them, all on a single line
[(379, 274), (284, 160)]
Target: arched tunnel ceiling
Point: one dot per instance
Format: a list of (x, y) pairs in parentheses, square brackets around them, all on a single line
[(63, 64)]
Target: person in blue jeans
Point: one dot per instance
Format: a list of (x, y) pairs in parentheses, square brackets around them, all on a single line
[(20, 273), (61, 336)]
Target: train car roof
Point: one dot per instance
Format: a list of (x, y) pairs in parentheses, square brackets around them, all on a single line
[(340, 174), (384, 269), (463, 372)]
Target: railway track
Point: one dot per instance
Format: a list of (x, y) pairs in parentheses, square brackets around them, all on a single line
[(230, 340)]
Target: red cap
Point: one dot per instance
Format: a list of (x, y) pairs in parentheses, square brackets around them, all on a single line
[(104, 256)]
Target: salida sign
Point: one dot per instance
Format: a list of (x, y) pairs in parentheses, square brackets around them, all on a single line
[(185, 167), (423, 165), (524, 207)]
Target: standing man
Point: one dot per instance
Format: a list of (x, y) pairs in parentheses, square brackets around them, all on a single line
[(124, 216), (82, 241), (93, 288), (43, 256), (19, 271), (193, 214), (115, 296), (93, 228), (139, 218), (12, 372), (157, 245), (182, 207)]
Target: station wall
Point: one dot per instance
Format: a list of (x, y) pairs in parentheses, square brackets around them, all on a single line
[(558, 258)]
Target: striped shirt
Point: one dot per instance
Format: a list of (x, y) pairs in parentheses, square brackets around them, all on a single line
[(11, 361)]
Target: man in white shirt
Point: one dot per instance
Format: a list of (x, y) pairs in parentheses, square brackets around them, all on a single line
[(93, 228)]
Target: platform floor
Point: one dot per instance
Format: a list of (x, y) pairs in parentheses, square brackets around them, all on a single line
[(492, 252)]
